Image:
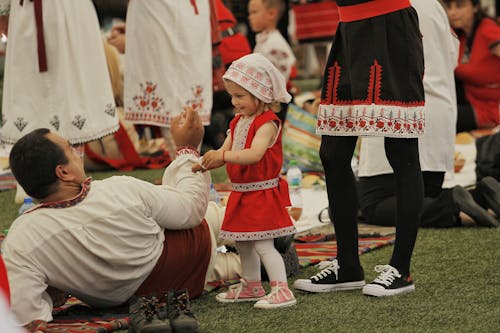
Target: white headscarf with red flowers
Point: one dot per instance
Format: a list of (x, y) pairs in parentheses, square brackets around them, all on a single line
[(260, 77)]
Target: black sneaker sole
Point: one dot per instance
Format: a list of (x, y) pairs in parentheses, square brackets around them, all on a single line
[(307, 285)]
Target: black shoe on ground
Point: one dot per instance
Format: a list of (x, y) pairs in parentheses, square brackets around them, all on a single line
[(465, 202), (490, 189), (389, 283), (182, 320), (144, 316), (328, 280)]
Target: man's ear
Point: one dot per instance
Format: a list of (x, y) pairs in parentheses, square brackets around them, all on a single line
[(63, 173)]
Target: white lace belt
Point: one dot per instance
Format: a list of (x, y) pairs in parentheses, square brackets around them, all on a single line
[(255, 186)]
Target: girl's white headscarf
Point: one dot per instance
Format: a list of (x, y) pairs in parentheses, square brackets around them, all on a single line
[(260, 77)]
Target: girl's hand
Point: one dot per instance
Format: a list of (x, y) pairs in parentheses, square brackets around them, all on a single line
[(212, 159), (197, 167)]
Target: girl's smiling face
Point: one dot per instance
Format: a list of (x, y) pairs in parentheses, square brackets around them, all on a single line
[(243, 101)]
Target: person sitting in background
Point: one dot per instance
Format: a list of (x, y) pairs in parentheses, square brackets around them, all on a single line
[(105, 241), (478, 71), (436, 147), (263, 16)]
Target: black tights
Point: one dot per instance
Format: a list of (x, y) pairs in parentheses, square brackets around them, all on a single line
[(336, 154)]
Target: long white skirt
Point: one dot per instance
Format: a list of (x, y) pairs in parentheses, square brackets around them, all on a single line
[(168, 60), (74, 97)]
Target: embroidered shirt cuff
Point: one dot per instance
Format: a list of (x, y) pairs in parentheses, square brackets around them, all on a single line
[(187, 150)]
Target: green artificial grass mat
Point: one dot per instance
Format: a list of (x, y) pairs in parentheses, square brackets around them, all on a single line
[(456, 273)]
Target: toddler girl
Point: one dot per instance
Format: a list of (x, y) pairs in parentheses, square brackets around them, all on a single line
[(253, 155)]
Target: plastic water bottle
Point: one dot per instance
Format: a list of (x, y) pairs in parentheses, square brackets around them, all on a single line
[(294, 178), (27, 204), (214, 195)]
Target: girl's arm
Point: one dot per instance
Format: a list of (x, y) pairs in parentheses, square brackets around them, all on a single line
[(264, 137)]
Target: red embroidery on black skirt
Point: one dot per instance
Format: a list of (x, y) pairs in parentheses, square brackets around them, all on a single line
[(373, 89), (372, 114)]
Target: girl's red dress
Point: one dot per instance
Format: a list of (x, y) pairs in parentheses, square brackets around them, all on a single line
[(259, 214)]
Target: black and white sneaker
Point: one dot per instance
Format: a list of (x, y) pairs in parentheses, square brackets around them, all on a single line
[(390, 282), (327, 280)]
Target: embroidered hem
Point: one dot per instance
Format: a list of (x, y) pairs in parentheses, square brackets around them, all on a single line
[(147, 118), (80, 140), (373, 119), (257, 235), (153, 119)]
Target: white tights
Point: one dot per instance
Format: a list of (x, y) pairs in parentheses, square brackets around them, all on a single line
[(251, 254)]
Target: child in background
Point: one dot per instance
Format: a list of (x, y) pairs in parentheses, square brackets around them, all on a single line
[(263, 16), (253, 155)]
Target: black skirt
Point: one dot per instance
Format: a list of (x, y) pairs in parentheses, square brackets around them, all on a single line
[(373, 78)]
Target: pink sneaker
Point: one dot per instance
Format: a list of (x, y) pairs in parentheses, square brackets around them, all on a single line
[(242, 292), (279, 297)]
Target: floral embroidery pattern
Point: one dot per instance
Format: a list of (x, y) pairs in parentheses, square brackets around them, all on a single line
[(280, 60), (249, 77), (148, 106), (79, 121), (110, 110), (196, 102), (54, 121), (20, 123), (370, 119), (148, 101), (371, 116)]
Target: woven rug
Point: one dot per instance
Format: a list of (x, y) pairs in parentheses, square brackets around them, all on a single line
[(315, 248), (77, 317)]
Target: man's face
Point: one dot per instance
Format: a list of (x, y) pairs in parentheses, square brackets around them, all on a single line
[(74, 155)]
